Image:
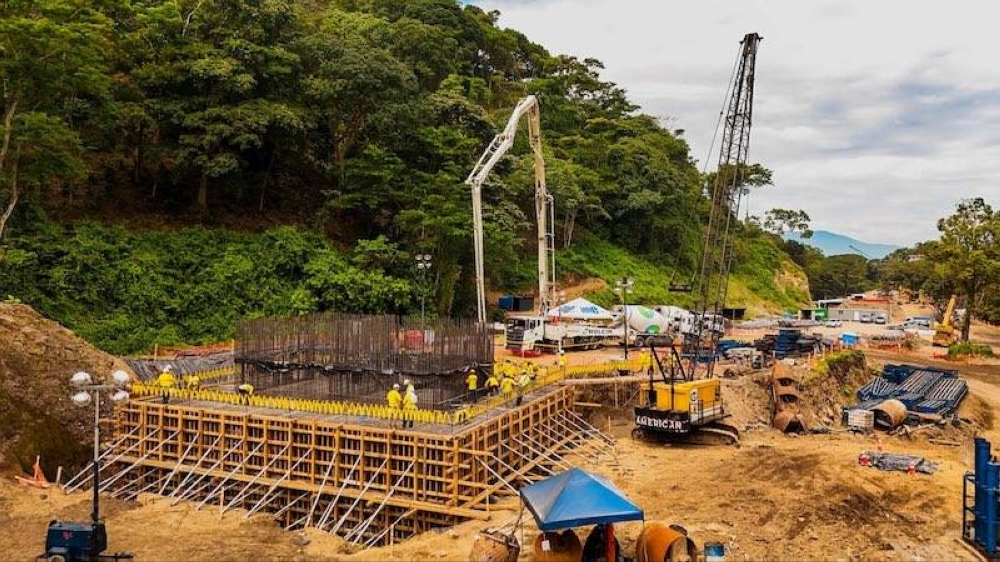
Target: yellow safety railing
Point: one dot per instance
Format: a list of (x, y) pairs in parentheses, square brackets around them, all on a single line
[(329, 407), (221, 372), (547, 376)]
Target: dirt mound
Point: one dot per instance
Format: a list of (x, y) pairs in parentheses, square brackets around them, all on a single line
[(37, 357), (831, 385)]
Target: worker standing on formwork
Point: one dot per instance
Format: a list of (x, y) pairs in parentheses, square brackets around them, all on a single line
[(522, 386), (493, 385), (507, 386), (166, 381), (472, 381), (394, 399), (245, 391), (409, 406), (562, 360)]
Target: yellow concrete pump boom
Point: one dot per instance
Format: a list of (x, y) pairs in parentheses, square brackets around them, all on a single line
[(543, 202)]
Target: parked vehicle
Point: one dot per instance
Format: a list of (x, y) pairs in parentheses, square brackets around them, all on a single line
[(881, 318), (866, 317)]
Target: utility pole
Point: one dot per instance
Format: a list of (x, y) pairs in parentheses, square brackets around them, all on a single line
[(623, 287)]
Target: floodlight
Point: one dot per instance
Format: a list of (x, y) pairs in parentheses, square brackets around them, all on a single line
[(81, 398), (81, 378), (119, 396)]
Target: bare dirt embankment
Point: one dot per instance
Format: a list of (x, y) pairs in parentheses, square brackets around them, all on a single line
[(776, 497), (37, 358)]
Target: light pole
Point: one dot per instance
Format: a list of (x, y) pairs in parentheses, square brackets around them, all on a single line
[(623, 287), (423, 264), (82, 397)]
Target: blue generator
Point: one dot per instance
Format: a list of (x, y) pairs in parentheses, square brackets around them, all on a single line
[(981, 504), (66, 541)]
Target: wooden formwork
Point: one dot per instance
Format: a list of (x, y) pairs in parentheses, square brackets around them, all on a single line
[(368, 484)]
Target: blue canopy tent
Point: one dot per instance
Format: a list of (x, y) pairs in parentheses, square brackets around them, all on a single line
[(575, 498)]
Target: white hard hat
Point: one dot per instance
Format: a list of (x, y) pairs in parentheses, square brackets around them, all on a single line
[(168, 368), (407, 381), (396, 386)]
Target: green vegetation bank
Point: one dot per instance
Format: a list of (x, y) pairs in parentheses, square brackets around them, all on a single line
[(170, 166)]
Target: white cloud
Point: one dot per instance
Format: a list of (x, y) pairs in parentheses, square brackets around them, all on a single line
[(876, 117)]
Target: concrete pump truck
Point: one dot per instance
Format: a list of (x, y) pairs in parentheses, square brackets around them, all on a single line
[(528, 332)]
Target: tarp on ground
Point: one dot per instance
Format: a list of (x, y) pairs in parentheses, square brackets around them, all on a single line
[(575, 498), (581, 309)]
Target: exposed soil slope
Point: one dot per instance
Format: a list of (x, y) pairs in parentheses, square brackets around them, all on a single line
[(37, 358)]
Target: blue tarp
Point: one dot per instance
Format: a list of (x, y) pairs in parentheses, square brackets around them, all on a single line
[(575, 498)]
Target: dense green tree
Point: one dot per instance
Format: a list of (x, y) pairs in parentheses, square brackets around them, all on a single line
[(838, 276), (52, 70), (783, 221), (359, 119), (967, 256)]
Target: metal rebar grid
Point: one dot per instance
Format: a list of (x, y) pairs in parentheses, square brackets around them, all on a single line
[(332, 356)]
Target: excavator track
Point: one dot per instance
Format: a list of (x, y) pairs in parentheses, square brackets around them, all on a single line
[(714, 433)]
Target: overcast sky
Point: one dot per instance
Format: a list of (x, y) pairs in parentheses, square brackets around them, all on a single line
[(875, 116)]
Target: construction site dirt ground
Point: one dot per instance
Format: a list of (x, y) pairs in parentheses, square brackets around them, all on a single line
[(775, 497)]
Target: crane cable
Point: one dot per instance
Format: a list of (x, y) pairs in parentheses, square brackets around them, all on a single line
[(704, 169)]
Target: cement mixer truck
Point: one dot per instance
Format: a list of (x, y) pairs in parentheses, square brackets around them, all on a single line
[(646, 326)]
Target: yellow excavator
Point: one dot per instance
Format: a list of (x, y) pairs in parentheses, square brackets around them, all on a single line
[(681, 408), (945, 333)]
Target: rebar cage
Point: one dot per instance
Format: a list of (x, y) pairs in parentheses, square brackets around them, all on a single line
[(351, 357)]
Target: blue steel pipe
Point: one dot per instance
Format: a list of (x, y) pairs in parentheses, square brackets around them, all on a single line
[(982, 448), (990, 523)]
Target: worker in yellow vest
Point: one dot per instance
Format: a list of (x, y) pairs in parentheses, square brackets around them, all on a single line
[(507, 386), (522, 386), (562, 360), (493, 385), (166, 381), (409, 406), (472, 382), (645, 361), (394, 398), (245, 391)]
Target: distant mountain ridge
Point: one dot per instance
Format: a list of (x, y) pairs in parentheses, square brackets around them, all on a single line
[(832, 244)]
